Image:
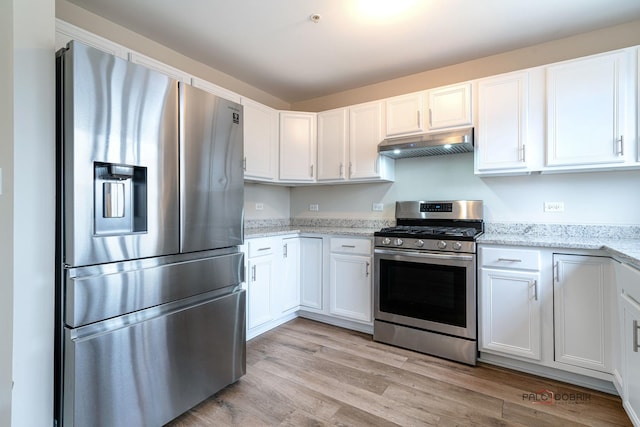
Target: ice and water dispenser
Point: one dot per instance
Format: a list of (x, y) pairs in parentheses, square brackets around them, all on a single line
[(120, 194)]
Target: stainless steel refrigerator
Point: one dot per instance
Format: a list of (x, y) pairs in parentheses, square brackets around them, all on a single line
[(150, 314)]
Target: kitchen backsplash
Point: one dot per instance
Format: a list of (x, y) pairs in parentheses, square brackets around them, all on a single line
[(564, 230)]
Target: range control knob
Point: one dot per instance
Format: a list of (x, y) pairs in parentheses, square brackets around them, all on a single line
[(457, 246), (398, 242), (442, 244), (386, 241), (419, 243)]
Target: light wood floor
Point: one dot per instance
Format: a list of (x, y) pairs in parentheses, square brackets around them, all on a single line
[(306, 373)]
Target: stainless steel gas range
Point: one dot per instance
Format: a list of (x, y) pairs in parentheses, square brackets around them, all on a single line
[(425, 279)]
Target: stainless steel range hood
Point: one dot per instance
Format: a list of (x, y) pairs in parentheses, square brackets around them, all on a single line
[(428, 144)]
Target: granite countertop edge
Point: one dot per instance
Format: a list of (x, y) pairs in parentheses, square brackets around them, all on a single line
[(626, 250)]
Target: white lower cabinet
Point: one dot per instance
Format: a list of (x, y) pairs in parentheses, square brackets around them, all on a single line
[(511, 315), (628, 291), (583, 315), (510, 302), (259, 283), (350, 281), (289, 295), (311, 273), (548, 313)]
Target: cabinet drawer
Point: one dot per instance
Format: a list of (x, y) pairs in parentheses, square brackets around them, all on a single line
[(260, 247), (351, 246), (515, 259)]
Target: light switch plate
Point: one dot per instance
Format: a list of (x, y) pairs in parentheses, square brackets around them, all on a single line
[(377, 207), (314, 207), (259, 206)]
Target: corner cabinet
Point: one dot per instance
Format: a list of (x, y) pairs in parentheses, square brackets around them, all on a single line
[(260, 141), (583, 311), (587, 109), (350, 281), (297, 146), (510, 306)]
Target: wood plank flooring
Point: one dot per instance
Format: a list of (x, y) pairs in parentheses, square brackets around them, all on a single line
[(306, 373)]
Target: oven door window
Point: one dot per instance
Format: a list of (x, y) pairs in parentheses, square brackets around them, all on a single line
[(424, 291)]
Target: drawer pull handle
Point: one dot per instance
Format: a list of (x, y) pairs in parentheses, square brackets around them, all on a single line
[(635, 330), (265, 249), (367, 270), (253, 273), (509, 260), (349, 246)]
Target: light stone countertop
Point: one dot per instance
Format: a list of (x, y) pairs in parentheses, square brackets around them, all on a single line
[(252, 233), (621, 242)]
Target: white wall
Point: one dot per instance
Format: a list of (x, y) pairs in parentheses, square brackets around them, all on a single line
[(589, 198), (33, 210), (275, 201), (6, 208)]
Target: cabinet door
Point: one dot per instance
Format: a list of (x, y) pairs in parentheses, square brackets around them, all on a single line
[(582, 314), (311, 272), (586, 108), (510, 313), (297, 146), (260, 141), (259, 291), (450, 107), (289, 293), (332, 144), (631, 356), (502, 122), (350, 287), (404, 114), (365, 133)]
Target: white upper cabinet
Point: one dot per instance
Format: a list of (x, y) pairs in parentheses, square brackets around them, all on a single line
[(333, 142), (405, 114), (260, 141), (449, 107), (501, 133), (215, 89), (365, 133), (587, 111), (348, 141), (297, 146)]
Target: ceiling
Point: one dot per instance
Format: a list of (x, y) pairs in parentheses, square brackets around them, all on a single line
[(275, 46)]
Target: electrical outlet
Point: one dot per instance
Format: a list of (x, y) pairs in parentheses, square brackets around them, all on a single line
[(377, 207), (554, 206), (314, 207), (259, 206)]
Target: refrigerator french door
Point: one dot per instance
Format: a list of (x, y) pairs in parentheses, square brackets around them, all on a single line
[(150, 315)]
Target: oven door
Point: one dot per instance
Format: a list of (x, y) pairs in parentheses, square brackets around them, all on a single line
[(430, 291)]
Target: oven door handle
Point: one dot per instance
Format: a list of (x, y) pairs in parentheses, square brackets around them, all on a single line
[(425, 255)]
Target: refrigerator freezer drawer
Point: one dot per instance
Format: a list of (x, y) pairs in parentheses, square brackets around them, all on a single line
[(149, 372), (101, 292)]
